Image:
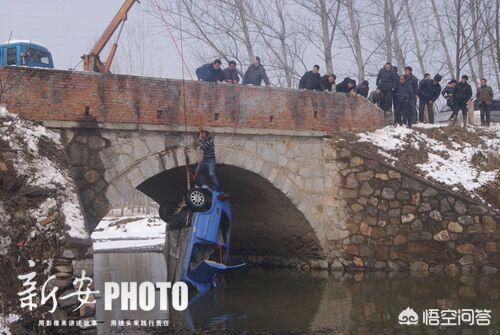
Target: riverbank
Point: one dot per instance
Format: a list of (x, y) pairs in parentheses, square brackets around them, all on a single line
[(129, 233), (42, 228), (464, 159)]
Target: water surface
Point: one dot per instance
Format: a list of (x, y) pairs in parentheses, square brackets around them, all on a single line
[(277, 300)]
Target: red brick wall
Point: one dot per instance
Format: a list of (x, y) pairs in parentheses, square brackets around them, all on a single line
[(64, 95)]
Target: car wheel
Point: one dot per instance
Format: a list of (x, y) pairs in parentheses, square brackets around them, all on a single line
[(198, 199), (166, 210)]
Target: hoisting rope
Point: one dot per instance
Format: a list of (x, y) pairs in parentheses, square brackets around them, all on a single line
[(189, 174), (180, 50)]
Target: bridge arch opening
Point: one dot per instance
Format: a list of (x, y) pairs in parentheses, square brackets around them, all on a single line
[(266, 222)]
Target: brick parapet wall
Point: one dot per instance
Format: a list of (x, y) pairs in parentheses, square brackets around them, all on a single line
[(42, 95)]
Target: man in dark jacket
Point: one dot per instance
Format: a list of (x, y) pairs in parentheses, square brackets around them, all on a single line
[(448, 93), (311, 80), (255, 74), (462, 94), (346, 86), (414, 83), (403, 111), (387, 81), (231, 73), (428, 93), (484, 99), (375, 96), (426, 76), (210, 72), (328, 82), (363, 88)]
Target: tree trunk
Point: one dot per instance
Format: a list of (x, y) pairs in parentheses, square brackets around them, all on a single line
[(469, 58), (495, 62), (325, 30), (442, 38), (244, 25), (475, 36), (357, 43), (458, 47), (397, 45), (420, 58), (284, 50), (497, 24), (388, 32)]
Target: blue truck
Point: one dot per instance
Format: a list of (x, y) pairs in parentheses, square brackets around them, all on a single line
[(25, 53)]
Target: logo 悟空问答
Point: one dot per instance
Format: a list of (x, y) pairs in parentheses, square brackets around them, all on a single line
[(408, 317)]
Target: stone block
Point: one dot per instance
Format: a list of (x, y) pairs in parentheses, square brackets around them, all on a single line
[(442, 236), (388, 193), (455, 227), (84, 264)]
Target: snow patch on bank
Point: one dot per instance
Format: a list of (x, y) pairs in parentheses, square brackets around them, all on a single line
[(40, 171), (129, 232), (388, 138), (450, 163), (6, 321)]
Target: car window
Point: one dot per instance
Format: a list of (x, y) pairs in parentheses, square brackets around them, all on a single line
[(11, 56)]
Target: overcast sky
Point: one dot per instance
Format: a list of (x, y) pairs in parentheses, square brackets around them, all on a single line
[(69, 28)]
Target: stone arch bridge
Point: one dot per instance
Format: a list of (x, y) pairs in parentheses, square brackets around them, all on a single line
[(299, 195), (279, 183)]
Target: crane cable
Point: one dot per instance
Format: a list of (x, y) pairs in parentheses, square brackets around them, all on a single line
[(184, 67), (180, 50)]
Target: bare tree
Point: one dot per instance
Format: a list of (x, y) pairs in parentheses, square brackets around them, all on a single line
[(394, 19), (328, 13), (442, 38), (289, 34), (388, 31), (272, 22), (353, 38), (221, 25), (474, 10), (416, 39)]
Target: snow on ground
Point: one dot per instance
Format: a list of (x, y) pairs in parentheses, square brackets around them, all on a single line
[(39, 170), (442, 159), (388, 138), (5, 321), (129, 232)]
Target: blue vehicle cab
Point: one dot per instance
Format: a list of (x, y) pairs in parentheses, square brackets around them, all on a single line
[(25, 53), (204, 249)]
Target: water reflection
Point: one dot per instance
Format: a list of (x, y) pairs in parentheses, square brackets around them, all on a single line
[(288, 301), (127, 267)]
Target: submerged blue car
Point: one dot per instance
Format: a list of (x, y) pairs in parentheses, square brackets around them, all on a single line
[(201, 249)]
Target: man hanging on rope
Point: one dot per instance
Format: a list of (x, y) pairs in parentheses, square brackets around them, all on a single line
[(207, 162)]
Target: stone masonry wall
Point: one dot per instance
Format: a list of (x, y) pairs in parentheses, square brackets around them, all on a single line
[(42, 95), (396, 221)]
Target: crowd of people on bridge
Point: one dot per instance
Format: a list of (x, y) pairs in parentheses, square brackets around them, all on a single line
[(394, 94)]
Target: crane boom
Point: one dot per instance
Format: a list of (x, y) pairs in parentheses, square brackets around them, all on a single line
[(92, 62)]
